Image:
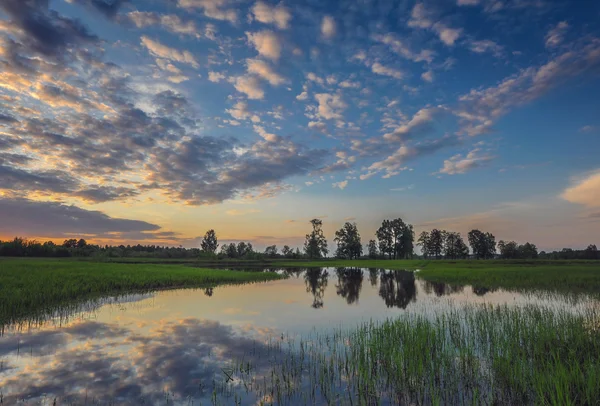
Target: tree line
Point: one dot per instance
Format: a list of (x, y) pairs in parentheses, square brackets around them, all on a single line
[(394, 239)]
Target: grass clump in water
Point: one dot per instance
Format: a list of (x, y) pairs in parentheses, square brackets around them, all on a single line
[(476, 355)]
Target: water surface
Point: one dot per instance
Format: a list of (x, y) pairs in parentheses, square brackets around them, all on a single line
[(174, 347)]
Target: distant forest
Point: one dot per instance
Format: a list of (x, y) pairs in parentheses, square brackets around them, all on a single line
[(395, 239)]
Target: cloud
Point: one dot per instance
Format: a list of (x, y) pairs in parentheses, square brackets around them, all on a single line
[(480, 47), (481, 107), (420, 124), (556, 35), (267, 43), (341, 185), (467, 2), (45, 31), (460, 165), (585, 190), (424, 18), (169, 22), (396, 163), (264, 134), (216, 77), (399, 47), (250, 86), (328, 27), (278, 15), (216, 9), (331, 106), (265, 71), (427, 76), (163, 51), (587, 129), (49, 219), (109, 8), (386, 71)]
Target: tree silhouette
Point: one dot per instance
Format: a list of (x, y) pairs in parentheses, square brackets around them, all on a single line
[(210, 243), (315, 245)]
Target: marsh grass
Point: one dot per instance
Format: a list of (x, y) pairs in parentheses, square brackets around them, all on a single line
[(37, 288), (473, 355)]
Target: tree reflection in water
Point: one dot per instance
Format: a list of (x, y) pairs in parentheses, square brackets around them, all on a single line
[(441, 289), (316, 283), (349, 283), (373, 276), (398, 288)]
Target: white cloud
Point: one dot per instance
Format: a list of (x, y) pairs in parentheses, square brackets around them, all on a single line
[(314, 78), (556, 35), (341, 185), (162, 51), (348, 84), (215, 77), (328, 27), (481, 107), (386, 71), (250, 86), (585, 191), (459, 164), (302, 96), (331, 106), (447, 35), (216, 9), (427, 76), (177, 79), (421, 123), (423, 18), (396, 163), (483, 46), (265, 71), (267, 43), (587, 129), (170, 22), (467, 2), (239, 111), (266, 135), (400, 48), (278, 15)]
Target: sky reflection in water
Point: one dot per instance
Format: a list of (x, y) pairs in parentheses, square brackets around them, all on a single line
[(170, 347)]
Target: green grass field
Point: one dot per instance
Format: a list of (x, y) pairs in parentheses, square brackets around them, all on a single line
[(30, 286), (572, 276)]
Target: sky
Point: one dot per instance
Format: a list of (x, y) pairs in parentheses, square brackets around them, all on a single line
[(153, 121)]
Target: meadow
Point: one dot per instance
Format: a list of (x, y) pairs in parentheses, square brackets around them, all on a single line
[(31, 286)]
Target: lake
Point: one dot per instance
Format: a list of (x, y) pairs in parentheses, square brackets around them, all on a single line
[(180, 347)]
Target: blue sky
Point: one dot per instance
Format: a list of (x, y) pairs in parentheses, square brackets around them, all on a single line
[(151, 121)]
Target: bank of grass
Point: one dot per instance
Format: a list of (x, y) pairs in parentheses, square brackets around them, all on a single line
[(474, 355), (32, 286), (571, 276)]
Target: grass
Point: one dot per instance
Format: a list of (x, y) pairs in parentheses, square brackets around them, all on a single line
[(30, 287), (473, 355), (561, 276)]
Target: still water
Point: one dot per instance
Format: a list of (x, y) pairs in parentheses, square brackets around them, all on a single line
[(173, 347)]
